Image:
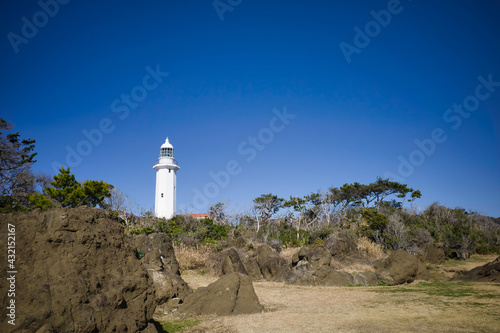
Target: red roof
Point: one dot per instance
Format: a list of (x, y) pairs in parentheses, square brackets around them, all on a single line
[(199, 215)]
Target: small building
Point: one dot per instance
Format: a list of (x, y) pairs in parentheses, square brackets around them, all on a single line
[(199, 216)]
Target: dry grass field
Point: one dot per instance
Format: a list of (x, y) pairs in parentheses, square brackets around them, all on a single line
[(417, 307)]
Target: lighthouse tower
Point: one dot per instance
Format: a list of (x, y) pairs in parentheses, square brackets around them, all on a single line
[(166, 175)]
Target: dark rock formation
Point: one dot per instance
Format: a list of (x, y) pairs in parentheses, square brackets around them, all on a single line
[(230, 295), (76, 273), (434, 254), (400, 267), (341, 245), (311, 266), (272, 266), (253, 269), (158, 251), (232, 263), (162, 266), (312, 258), (486, 273)]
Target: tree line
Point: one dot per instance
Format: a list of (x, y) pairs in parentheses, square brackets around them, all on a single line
[(381, 211), (329, 208)]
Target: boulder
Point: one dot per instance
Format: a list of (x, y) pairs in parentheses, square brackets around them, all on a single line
[(253, 269), (330, 277), (434, 254), (341, 245), (232, 263), (271, 265), (161, 265), (366, 278), (486, 273), (422, 271), (312, 266), (400, 267), (312, 258), (158, 251), (76, 273), (230, 295)]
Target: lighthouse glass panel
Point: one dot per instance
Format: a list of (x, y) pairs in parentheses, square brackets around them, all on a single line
[(167, 152)]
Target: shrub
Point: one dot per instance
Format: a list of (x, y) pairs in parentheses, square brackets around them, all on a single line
[(213, 231), (139, 254), (171, 227), (145, 230), (289, 238)]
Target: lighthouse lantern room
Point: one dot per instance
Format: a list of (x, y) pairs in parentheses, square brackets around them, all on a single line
[(166, 174)]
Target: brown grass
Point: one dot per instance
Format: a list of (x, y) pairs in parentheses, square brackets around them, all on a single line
[(359, 309), (371, 249), (289, 252), (192, 257), (408, 308)]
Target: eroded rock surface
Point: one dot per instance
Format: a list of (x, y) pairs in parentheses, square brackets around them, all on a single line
[(76, 273), (486, 273), (230, 295), (161, 265), (401, 267)]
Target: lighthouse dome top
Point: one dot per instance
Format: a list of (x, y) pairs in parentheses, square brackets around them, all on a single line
[(167, 150), (167, 144)]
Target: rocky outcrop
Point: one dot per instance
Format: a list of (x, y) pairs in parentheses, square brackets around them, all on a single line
[(312, 258), (162, 266), (486, 273), (434, 254), (272, 266), (233, 263), (312, 266), (341, 245), (230, 295), (264, 263), (158, 251), (253, 269), (76, 273), (400, 267)]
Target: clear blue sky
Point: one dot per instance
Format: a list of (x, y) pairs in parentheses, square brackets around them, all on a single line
[(359, 100)]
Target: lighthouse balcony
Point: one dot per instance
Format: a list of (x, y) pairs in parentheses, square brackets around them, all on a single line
[(166, 160)]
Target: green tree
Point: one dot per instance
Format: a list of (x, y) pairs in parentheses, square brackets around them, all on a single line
[(41, 201), (382, 188), (310, 208), (95, 192), (414, 196), (265, 207), (70, 193)]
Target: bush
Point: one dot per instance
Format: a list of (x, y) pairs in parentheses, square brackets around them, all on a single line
[(288, 236), (213, 232), (139, 254), (145, 230)]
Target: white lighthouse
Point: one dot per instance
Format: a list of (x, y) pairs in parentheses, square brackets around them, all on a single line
[(166, 178)]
